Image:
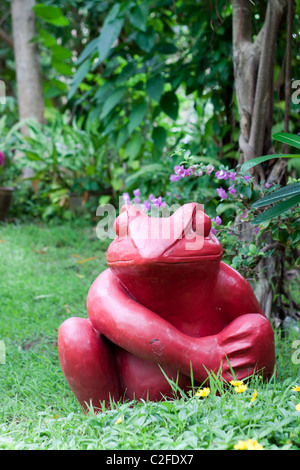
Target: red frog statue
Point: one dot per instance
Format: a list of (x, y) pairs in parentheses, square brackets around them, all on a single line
[(166, 307)]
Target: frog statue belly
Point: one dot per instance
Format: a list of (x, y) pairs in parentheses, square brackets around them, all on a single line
[(167, 305)]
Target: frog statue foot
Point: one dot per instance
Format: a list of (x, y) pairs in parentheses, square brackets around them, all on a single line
[(167, 305)]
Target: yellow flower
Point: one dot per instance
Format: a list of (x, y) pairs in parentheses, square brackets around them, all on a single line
[(241, 445), (254, 395), (296, 388), (119, 421), (236, 383), (250, 444), (240, 388), (203, 392), (298, 407)]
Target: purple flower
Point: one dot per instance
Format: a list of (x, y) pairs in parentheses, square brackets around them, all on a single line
[(188, 172), (232, 190), (217, 220), (245, 214), (137, 192), (159, 203), (147, 205), (268, 185), (179, 170), (137, 200), (126, 198), (256, 230), (222, 175), (183, 172), (2, 159), (151, 198), (209, 169), (247, 177), (175, 178), (222, 193), (232, 175), (213, 230)]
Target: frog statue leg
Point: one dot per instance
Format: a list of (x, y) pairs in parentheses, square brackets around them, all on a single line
[(247, 342), (88, 363)]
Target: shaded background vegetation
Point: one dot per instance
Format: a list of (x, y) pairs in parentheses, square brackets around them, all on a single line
[(128, 88)]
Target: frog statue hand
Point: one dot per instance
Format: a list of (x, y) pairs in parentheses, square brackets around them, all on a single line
[(167, 305)]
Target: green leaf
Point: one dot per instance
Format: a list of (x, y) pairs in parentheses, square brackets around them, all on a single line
[(167, 48), (62, 67), (256, 161), (112, 101), (128, 71), (291, 139), (33, 156), (147, 172), (276, 210), (122, 137), (88, 51), (159, 136), (102, 93), (138, 16), (50, 14), (252, 249), (282, 193), (46, 38), (136, 116), (155, 87), (133, 147), (170, 105), (111, 29), (146, 39), (78, 78), (60, 53)]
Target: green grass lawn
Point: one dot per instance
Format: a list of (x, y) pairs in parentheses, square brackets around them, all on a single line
[(45, 274)]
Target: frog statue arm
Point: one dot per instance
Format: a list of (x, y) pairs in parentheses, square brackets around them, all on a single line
[(244, 345), (141, 332)]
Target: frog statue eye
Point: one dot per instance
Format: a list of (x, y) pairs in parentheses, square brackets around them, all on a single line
[(201, 223), (127, 214)]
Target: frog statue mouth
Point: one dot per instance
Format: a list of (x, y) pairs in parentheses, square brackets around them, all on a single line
[(183, 237)]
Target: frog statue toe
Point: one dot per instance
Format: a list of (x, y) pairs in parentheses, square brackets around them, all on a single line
[(165, 306)]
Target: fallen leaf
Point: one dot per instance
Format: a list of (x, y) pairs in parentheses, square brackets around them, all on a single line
[(2, 241), (86, 260), (81, 276), (42, 296), (41, 252)]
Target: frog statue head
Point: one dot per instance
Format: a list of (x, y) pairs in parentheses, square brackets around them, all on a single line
[(151, 255), (183, 237)]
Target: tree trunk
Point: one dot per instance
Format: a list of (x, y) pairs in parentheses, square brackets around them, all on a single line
[(253, 69), (28, 68)]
